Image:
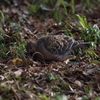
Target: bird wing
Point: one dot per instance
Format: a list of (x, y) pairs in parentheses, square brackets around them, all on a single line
[(70, 42)]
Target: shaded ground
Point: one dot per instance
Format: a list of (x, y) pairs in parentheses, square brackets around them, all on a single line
[(79, 79)]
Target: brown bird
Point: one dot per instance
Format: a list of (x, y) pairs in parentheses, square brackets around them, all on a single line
[(53, 47)]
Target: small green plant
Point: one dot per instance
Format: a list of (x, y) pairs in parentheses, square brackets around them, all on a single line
[(17, 48), (59, 97), (4, 88), (97, 98), (50, 77), (68, 33), (1, 18), (11, 42), (88, 4), (32, 8), (72, 7), (42, 97), (3, 50), (84, 97), (58, 8), (89, 33)]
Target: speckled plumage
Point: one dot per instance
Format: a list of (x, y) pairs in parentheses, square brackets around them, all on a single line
[(53, 47), (57, 44)]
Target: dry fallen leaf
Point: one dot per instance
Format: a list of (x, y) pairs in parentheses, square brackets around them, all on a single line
[(17, 61), (78, 83), (22, 62), (18, 72), (70, 57), (2, 77)]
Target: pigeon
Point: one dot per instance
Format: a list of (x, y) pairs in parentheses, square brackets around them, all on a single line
[(53, 47)]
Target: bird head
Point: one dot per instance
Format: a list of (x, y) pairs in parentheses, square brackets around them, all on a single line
[(30, 47)]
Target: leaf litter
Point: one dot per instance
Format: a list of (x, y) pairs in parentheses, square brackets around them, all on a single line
[(25, 79)]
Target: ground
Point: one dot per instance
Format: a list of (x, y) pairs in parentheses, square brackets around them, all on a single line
[(22, 78)]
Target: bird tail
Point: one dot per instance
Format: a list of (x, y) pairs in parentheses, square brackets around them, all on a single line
[(84, 44)]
